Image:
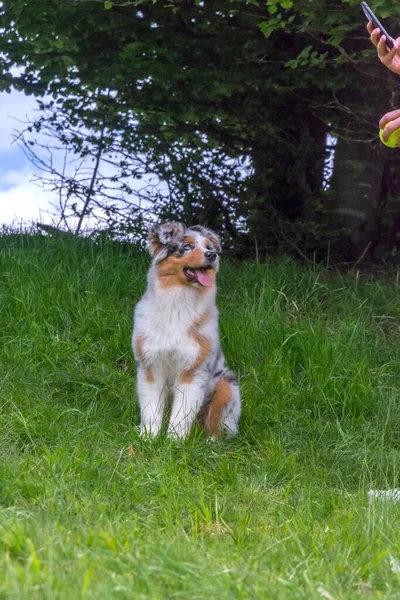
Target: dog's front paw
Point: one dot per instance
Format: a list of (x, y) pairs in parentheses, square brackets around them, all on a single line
[(177, 433), (147, 433)]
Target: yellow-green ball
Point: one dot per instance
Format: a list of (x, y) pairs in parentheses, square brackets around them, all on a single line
[(393, 137)]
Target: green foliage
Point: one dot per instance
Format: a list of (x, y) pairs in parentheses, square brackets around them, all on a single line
[(194, 84), (89, 510)]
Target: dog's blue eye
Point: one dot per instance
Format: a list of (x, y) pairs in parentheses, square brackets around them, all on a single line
[(187, 247)]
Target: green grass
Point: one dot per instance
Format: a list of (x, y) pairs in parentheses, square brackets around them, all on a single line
[(89, 510)]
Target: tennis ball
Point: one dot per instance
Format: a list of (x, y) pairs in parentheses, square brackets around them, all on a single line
[(392, 141)]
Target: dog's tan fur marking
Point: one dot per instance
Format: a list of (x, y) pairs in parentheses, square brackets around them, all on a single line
[(139, 344), (190, 240), (170, 270), (211, 417), (155, 243), (205, 347)]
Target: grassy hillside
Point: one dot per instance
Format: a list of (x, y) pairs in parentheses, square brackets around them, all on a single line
[(89, 510)]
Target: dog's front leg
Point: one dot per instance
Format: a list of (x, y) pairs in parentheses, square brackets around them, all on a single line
[(188, 398), (152, 394)]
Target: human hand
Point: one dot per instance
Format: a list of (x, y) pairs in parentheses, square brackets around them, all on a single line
[(394, 118), (389, 58)]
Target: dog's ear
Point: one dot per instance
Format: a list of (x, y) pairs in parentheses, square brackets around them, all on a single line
[(161, 235), (213, 237)]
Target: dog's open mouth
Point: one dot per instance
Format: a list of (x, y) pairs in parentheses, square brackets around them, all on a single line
[(199, 276)]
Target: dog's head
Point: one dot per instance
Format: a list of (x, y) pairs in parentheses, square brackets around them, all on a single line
[(184, 256)]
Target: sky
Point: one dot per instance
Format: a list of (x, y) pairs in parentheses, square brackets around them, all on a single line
[(21, 200)]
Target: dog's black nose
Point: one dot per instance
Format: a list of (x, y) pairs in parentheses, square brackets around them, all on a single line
[(211, 256)]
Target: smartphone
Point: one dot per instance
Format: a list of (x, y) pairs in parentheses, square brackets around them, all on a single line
[(377, 25)]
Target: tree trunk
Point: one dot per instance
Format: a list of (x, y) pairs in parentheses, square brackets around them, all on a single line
[(356, 190), (359, 164)]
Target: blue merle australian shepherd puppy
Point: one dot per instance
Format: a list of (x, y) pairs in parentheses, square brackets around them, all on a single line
[(176, 340)]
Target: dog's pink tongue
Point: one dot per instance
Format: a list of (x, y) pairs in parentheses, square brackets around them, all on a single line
[(203, 278)]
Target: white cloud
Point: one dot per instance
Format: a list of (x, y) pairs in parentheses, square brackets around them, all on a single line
[(24, 201), (20, 199)]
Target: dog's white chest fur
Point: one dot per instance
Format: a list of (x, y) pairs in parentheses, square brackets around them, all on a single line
[(165, 320)]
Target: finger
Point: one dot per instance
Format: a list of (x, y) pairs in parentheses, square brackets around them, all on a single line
[(382, 50), (389, 129), (375, 36), (390, 116), (390, 52), (370, 27)]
